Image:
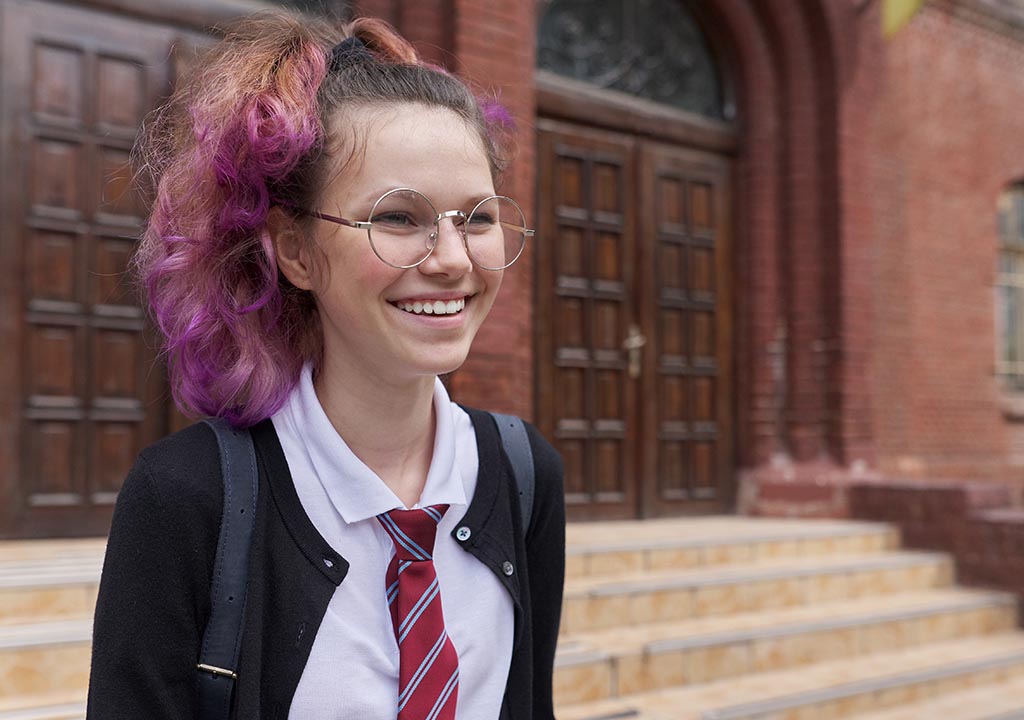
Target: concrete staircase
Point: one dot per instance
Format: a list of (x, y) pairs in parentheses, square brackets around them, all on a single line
[(701, 618), (757, 619), (47, 596)]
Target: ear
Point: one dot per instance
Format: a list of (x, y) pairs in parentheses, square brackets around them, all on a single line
[(290, 246)]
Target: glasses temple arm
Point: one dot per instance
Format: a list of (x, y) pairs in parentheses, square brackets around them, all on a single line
[(520, 228), (334, 219)]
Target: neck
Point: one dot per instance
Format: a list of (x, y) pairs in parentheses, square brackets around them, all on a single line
[(388, 425)]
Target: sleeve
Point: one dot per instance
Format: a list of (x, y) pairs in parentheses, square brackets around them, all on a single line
[(150, 606), (545, 549)]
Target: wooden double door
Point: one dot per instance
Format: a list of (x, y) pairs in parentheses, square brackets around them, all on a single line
[(634, 322)]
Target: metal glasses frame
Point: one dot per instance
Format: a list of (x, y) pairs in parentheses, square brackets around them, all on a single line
[(438, 217)]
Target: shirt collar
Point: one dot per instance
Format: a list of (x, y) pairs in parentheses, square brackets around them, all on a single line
[(356, 491)]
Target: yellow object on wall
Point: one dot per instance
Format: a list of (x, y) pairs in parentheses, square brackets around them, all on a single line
[(897, 13)]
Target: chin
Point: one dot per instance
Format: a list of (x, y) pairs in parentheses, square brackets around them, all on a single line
[(448, 363)]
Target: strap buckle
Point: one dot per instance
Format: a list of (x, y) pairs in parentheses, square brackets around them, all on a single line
[(214, 670)]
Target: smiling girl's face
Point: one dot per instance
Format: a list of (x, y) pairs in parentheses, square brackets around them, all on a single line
[(367, 308)]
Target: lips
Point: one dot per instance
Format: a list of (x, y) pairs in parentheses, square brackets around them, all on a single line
[(431, 307)]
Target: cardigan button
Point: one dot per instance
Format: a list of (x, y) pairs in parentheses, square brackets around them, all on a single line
[(463, 533), (507, 568)]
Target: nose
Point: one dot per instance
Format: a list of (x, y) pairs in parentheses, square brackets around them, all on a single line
[(449, 256)]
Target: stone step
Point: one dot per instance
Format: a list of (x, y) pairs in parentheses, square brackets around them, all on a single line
[(996, 701), (597, 603), (835, 689), (53, 706), (48, 579), (618, 662), (45, 657), (32, 550), (612, 548)]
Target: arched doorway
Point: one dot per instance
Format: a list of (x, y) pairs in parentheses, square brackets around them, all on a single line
[(634, 280)]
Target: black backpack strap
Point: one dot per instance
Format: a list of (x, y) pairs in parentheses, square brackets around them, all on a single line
[(517, 447), (222, 640)]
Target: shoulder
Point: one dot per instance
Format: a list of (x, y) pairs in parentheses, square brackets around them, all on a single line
[(186, 449), (180, 474), (547, 462), (169, 507)]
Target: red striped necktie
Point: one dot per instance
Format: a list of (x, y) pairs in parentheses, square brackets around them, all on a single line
[(428, 669)]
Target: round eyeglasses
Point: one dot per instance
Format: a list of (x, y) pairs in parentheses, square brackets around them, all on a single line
[(404, 226)]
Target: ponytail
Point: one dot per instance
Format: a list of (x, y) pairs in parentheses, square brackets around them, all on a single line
[(240, 123)]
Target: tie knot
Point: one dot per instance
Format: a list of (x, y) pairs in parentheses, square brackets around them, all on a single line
[(413, 531)]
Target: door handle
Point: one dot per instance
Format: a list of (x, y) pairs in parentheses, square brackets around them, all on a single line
[(633, 344)]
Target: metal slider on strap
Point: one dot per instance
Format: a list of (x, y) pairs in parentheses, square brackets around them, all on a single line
[(217, 671)]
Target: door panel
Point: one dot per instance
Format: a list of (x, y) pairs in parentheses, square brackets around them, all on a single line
[(85, 397), (633, 251), (685, 309), (584, 260)]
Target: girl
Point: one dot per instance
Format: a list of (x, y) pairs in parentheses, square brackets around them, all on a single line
[(325, 241)]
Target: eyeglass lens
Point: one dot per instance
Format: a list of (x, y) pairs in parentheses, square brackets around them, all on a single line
[(403, 230)]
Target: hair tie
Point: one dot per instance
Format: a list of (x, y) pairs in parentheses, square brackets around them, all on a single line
[(348, 52)]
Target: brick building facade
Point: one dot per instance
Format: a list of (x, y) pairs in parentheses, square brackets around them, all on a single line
[(837, 243)]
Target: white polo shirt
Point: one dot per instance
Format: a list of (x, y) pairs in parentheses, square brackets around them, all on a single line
[(352, 672)]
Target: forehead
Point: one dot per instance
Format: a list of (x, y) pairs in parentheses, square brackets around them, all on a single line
[(430, 149)]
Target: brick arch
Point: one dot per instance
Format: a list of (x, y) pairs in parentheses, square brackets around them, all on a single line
[(787, 68)]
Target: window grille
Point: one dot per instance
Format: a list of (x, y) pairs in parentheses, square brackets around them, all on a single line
[(649, 48)]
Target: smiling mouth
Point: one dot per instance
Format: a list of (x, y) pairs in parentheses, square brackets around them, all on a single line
[(432, 307)]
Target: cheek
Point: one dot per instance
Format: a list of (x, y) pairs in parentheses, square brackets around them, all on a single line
[(343, 267), (353, 282)]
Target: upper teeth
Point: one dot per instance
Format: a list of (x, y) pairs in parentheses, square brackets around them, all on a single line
[(437, 307)]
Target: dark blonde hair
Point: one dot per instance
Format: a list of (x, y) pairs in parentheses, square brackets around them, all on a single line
[(248, 128)]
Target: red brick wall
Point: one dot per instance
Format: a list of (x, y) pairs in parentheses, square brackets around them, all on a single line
[(942, 140)]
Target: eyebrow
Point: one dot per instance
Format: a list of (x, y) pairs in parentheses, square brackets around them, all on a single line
[(470, 202)]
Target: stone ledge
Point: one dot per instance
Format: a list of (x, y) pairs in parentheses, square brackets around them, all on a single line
[(32, 710), (973, 520), (62, 632), (780, 705), (816, 626), (850, 530), (701, 578), (799, 490)]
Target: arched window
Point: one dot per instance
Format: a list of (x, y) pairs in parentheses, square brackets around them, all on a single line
[(649, 48), (1010, 289)]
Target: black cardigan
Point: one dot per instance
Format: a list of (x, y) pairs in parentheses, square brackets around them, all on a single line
[(154, 596)]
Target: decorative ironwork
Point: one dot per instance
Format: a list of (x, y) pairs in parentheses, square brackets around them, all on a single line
[(648, 48)]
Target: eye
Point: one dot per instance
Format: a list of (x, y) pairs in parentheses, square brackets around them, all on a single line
[(483, 218), (402, 212), (482, 221), (394, 217)]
